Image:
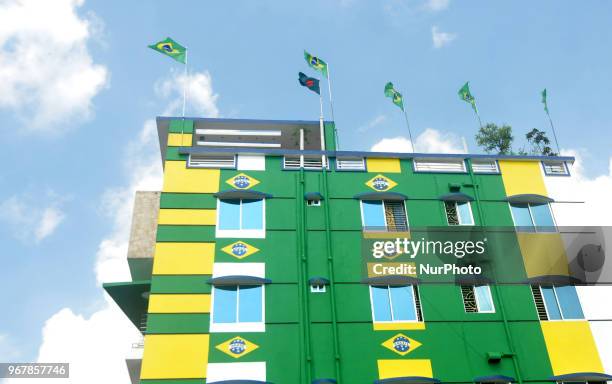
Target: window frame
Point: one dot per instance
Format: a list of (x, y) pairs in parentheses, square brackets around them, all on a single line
[(558, 306), (415, 293), (490, 295), (363, 226), (497, 170), (250, 326), (456, 203), (313, 203), (533, 224), (246, 233), (565, 167), (448, 160)]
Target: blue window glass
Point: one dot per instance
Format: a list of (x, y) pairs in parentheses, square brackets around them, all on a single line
[(522, 217), (229, 214), (483, 298), (252, 214), (543, 218), (552, 309), (569, 302), (373, 214), (381, 304), (225, 304), (402, 299), (250, 300), (464, 213)]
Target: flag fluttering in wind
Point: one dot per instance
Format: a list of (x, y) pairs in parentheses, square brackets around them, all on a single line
[(172, 49), (310, 83), (395, 96), (466, 95), (544, 100), (316, 63)]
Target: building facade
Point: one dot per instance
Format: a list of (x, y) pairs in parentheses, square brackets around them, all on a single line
[(247, 267)]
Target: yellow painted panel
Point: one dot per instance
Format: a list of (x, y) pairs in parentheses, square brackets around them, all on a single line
[(175, 356), (179, 178), (521, 177), (408, 326), (180, 303), (543, 254), (183, 258), (403, 368), (188, 216), (571, 347), (383, 165), (175, 140)]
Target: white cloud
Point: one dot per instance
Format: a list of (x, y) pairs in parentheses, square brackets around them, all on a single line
[(430, 141), (375, 122), (32, 218), (201, 100), (47, 73), (437, 5), (104, 338), (440, 39)]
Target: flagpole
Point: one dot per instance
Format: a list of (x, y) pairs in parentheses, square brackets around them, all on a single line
[(409, 132), (322, 132), (184, 97), (553, 131), (331, 105)]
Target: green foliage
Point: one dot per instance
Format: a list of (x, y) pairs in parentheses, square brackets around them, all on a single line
[(495, 139), (540, 144)]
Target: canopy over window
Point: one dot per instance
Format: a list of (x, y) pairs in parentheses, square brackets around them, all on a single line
[(407, 380), (239, 194), (582, 376), (395, 280), (529, 198), (238, 280), (494, 379), (313, 196), (381, 196), (456, 196)]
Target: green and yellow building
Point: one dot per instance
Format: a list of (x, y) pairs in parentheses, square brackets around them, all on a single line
[(247, 266)]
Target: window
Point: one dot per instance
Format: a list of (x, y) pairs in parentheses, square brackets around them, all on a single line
[(477, 298), (529, 217), (555, 168), (458, 213), (313, 203), (485, 166), (241, 218), (317, 288), (209, 161), (350, 164), (238, 307), (305, 161), (384, 216), (557, 302), (439, 165), (395, 304)]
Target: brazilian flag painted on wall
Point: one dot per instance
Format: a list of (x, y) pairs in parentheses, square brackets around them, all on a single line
[(171, 48)]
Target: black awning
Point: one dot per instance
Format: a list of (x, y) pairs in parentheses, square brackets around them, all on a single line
[(494, 379), (238, 280), (395, 280), (553, 280), (313, 196), (456, 196), (381, 196), (324, 381), (240, 194), (582, 376), (318, 281), (407, 380), (529, 198)]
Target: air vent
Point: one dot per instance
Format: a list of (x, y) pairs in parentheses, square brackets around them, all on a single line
[(440, 165), (350, 164), (212, 161), (539, 302), (485, 166), (306, 162), (555, 168), (469, 299)]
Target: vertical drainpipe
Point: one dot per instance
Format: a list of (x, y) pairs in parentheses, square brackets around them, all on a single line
[(302, 281), (330, 271), (502, 310)]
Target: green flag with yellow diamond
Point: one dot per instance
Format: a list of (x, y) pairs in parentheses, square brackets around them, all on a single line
[(316, 63), (395, 96), (171, 48)]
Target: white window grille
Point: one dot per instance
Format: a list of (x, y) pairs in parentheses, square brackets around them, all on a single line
[(555, 168), (304, 161), (212, 161), (439, 165), (350, 164), (485, 166)]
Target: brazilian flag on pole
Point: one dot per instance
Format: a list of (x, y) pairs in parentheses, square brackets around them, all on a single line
[(170, 48), (316, 63), (395, 96), (466, 95)]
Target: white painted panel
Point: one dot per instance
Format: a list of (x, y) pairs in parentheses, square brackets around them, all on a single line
[(602, 333), (236, 371), (251, 162), (241, 269), (595, 302)]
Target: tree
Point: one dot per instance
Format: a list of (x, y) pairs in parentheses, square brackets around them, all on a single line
[(539, 143), (495, 139)]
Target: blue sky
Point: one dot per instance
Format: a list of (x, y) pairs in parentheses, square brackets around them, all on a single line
[(65, 167)]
